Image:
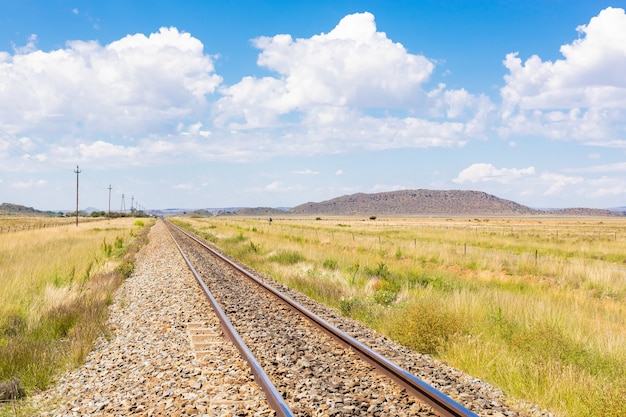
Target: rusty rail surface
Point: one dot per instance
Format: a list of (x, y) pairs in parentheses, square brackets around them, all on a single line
[(274, 398), (441, 403)]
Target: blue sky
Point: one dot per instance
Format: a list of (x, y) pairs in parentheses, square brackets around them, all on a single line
[(202, 104)]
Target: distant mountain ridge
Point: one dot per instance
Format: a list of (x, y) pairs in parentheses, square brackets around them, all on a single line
[(390, 203), (16, 209), (416, 202)]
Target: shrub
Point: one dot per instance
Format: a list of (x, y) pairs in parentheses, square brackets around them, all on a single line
[(287, 257), (385, 297), (424, 325), (356, 308)]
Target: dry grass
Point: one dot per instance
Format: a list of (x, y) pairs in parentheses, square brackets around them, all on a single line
[(55, 287), (536, 306)]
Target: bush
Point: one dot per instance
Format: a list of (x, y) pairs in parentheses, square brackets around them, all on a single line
[(424, 325), (385, 297), (356, 308), (287, 257)]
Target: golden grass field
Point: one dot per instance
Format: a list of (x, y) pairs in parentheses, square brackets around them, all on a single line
[(56, 283), (533, 305)]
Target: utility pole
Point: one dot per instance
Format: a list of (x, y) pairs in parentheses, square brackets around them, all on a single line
[(109, 202), (77, 172), (132, 199)]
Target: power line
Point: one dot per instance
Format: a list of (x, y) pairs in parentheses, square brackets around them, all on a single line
[(15, 145), (77, 172)]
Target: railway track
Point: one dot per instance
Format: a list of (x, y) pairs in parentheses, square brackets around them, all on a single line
[(305, 365)]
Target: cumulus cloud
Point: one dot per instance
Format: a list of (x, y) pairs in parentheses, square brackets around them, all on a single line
[(529, 183), (274, 187), (130, 86), (29, 184), (144, 98), (337, 91), (556, 183), (582, 96), (483, 172), (351, 65)]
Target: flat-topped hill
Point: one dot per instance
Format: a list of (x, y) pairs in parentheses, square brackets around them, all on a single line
[(416, 202)]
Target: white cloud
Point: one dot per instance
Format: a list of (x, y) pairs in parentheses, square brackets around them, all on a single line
[(143, 100), (276, 185), (557, 183), (328, 85), (305, 172), (558, 189), (482, 172), (23, 185), (353, 65), (379, 188), (130, 86), (30, 47), (183, 187), (605, 186), (617, 167), (582, 96)]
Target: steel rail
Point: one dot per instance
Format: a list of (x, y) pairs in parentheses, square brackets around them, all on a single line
[(441, 403), (275, 399)]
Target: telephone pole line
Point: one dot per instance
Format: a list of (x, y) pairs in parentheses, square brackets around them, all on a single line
[(77, 171), (109, 202)]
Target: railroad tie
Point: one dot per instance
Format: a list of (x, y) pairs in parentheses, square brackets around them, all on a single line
[(202, 337)]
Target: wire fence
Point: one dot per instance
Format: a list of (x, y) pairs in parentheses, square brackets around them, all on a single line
[(13, 227)]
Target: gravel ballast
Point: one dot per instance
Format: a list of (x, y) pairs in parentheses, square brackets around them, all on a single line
[(149, 365), (166, 355)]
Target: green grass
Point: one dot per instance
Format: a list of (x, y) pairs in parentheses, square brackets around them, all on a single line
[(535, 306)]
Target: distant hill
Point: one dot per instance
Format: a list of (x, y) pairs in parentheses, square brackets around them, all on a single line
[(8, 209), (579, 211), (392, 203), (258, 211), (417, 202)]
